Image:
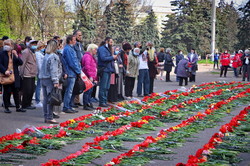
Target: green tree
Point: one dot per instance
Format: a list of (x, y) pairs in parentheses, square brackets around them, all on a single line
[(244, 27), (188, 27), (226, 26)]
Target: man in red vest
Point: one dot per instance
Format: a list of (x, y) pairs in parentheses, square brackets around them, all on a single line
[(225, 61)]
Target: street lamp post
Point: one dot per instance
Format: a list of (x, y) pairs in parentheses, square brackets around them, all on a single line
[(213, 27)]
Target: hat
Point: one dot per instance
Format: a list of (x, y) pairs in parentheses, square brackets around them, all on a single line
[(40, 44), (33, 41), (5, 38)]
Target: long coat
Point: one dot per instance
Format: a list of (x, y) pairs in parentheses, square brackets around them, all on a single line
[(4, 62), (168, 64), (152, 68), (182, 68), (193, 62)]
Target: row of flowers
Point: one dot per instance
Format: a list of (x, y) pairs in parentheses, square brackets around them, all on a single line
[(111, 119), (163, 133), (217, 138)]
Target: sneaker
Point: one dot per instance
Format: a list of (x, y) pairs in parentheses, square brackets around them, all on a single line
[(20, 110), (39, 105)]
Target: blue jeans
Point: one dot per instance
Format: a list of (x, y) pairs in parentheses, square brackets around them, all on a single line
[(104, 87), (68, 100), (143, 79), (38, 90), (47, 86), (87, 96)]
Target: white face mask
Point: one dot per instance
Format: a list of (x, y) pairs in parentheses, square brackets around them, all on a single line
[(7, 48)]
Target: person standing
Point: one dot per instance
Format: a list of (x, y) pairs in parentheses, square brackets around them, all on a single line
[(28, 71), (240, 55), (246, 65), (39, 61), (216, 59), (143, 77), (51, 72), (9, 62), (178, 57), (225, 61), (73, 71), (89, 67), (193, 59), (152, 63), (160, 58), (79, 53), (182, 71), (105, 67), (168, 64), (236, 63), (132, 72)]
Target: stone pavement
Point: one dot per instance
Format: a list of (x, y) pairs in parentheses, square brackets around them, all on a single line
[(10, 122)]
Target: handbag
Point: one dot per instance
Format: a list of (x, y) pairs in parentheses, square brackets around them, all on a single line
[(55, 97), (79, 86), (4, 79), (88, 84)]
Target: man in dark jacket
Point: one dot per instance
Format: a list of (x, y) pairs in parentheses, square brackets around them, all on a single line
[(78, 47), (105, 67)]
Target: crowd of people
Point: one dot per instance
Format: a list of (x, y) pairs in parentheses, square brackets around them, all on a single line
[(57, 64), (239, 62)]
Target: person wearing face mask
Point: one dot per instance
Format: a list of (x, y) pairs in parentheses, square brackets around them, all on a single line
[(28, 72), (132, 72), (27, 40), (39, 61), (9, 62), (106, 59), (225, 61)]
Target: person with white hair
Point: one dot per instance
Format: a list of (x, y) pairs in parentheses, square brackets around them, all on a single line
[(132, 72), (246, 65), (89, 67)]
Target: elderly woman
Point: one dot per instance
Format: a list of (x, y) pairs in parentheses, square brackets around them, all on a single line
[(89, 67), (168, 64), (9, 62), (50, 74)]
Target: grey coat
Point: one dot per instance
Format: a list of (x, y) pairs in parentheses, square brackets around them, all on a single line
[(182, 68), (168, 64)]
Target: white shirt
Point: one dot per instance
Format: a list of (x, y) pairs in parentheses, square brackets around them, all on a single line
[(143, 60)]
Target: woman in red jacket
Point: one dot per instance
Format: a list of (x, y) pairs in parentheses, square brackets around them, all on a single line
[(236, 63), (89, 67), (225, 61)]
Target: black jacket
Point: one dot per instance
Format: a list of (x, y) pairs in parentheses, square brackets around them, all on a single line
[(4, 61)]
